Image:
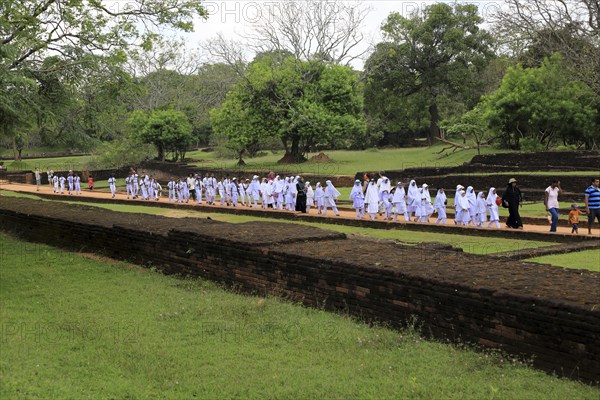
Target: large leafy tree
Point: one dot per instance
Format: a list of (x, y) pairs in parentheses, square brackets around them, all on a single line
[(436, 53), (73, 31), (534, 29), (544, 105), (169, 130), (303, 103)]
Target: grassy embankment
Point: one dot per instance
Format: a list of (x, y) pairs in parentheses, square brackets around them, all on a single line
[(79, 327)]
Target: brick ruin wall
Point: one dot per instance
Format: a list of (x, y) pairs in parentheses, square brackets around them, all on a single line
[(547, 313)]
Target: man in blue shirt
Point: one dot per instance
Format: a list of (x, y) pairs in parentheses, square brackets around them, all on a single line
[(592, 203)]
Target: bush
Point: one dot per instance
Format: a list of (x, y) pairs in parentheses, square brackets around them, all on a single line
[(530, 145), (122, 153)]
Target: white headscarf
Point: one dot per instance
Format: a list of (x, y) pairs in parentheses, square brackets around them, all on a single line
[(386, 185), (426, 193), (481, 208), (413, 191), (471, 196), (319, 193), (309, 190), (399, 193), (331, 190), (463, 201), (457, 193), (372, 193), (491, 197), (440, 199), (356, 189)]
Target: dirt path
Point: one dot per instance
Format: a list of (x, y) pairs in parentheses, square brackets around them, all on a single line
[(344, 213)]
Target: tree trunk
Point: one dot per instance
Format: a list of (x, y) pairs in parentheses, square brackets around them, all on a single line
[(161, 152), (15, 152), (293, 155), (434, 129)]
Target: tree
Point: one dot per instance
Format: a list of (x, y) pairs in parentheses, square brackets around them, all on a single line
[(544, 105), (169, 130), (323, 31), (76, 32), (534, 29), (302, 103), (439, 52), (471, 127)]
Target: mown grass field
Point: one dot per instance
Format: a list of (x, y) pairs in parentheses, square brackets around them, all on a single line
[(345, 162), (75, 163), (81, 327)]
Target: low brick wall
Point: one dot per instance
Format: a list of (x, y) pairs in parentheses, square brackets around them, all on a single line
[(363, 223), (548, 313)]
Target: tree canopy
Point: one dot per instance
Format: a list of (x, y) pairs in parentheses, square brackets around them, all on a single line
[(425, 57), (303, 103), (543, 105)]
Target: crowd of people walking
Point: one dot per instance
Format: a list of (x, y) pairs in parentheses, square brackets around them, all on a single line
[(372, 198)]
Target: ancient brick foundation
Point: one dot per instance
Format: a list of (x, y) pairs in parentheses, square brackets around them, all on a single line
[(547, 313)]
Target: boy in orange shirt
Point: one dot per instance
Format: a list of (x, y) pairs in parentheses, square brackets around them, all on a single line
[(574, 218)]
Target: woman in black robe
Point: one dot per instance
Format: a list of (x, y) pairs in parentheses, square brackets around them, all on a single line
[(301, 196), (512, 199)]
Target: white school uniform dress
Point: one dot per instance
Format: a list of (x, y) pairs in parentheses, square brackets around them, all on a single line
[(439, 204), (144, 189), (310, 196), (319, 196), (268, 194), (254, 188), (463, 216), (128, 186), (77, 184), (372, 198), (112, 184), (151, 188), (136, 186), (472, 198), (70, 183), (429, 205), (278, 192), (399, 200), (413, 199), (233, 189), (171, 186), (492, 206), (481, 209), (242, 191), (157, 190), (357, 197)]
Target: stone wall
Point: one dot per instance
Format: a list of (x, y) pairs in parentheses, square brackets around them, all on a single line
[(547, 313)]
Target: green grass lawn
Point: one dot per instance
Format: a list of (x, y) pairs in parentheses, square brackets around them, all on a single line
[(4, 152), (75, 327), (587, 259), (75, 163), (469, 244), (349, 162)]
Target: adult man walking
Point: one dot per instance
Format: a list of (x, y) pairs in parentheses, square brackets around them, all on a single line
[(592, 203)]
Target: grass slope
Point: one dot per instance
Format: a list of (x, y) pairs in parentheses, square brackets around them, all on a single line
[(75, 327)]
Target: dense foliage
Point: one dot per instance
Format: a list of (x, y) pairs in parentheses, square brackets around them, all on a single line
[(81, 76)]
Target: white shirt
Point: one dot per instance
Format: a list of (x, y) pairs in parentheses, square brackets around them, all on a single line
[(552, 197)]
